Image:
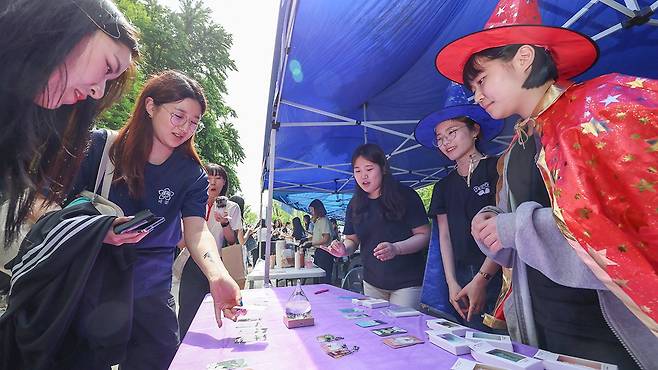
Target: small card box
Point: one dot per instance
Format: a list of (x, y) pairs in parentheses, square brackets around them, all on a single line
[(498, 341), (374, 303), (463, 364), (490, 355), (446, 326), (449, 342), (402, 312), (554, 361)]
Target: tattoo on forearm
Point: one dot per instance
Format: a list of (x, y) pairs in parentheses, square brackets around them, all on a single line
[(208, 256)]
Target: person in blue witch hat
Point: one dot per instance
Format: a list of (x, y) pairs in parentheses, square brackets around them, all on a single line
[(457, 131)]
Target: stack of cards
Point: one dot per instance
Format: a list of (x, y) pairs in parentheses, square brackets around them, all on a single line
[(369, 323), (449, 342), (402, 341), (395, 311), (446, 326), (486, 353), (370, 302), (391, 330), (498, 341), (554, 361)]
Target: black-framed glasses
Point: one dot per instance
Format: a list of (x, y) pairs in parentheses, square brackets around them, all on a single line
[(439, 141), (178, 120)]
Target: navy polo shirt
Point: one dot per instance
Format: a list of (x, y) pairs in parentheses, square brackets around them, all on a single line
[(175, 189)]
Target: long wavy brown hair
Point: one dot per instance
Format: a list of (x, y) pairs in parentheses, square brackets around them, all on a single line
[(131, 150)]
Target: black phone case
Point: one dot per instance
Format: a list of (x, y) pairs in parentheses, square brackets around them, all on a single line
[(140, 219)]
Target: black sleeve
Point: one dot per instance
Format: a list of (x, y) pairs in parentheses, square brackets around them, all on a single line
[(438, 203), (348, 229), (415, 213)]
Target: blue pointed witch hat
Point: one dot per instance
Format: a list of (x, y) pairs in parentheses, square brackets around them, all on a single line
[(455, 106)]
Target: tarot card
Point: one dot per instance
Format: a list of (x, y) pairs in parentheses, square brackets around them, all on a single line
[(326, 338), (338, 349), (350, 310), (391, 330), (227, 365), (369, 323), (402, 341), (251, 338), (355, 315)]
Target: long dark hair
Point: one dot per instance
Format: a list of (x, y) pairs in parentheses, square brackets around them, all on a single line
[(41, 149), (391, 199), (131, 150), (297, 229), (318, 208)]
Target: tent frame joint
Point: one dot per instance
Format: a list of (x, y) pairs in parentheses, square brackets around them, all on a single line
[(641, 17)]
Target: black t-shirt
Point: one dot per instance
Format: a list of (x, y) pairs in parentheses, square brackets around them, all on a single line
[(556, 308), (403, 271), (451, 196)]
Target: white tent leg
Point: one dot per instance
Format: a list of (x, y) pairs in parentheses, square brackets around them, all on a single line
[(270, 194)]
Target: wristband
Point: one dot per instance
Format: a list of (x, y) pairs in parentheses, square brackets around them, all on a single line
[(485, 275), (225, 224)]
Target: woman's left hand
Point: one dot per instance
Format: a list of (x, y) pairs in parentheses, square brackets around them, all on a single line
[(385, 251), (225, 295), (475, 293)]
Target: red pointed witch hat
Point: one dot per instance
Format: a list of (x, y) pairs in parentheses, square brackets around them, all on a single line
[(519, 22)]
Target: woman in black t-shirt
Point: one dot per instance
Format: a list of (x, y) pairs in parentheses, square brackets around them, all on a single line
[(388, 222), (472, 279)]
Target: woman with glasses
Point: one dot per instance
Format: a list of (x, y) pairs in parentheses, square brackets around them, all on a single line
[(473, 281), (157, 168)]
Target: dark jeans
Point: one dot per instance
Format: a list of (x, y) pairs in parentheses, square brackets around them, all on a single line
[(325, 261), (193, 288), (154, 339)]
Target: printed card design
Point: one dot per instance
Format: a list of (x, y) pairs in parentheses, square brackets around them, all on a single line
[(391, 330)]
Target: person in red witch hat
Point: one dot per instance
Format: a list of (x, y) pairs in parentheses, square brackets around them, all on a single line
[(578, 209)]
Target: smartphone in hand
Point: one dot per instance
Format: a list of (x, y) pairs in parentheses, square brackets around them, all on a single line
[(143, 221)]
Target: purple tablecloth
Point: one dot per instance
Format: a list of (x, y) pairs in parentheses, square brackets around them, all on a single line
[(298, 348)]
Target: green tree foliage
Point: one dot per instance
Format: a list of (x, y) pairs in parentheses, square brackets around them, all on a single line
[(426, 195), (189, 41)]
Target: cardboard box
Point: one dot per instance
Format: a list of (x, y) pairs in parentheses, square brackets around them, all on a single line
[(447, 326), (234, 261), (449, 342), (490, 355), (498, 341)]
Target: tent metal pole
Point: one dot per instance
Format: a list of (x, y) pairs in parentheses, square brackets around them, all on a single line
[(607, 32), (270, 195), (579, 14), (618, 7), (632, 4)]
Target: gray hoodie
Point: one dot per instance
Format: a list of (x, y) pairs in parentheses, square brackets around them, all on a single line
[(529, 236)]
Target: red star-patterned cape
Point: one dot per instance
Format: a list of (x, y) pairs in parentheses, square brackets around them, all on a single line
[(600, 164)]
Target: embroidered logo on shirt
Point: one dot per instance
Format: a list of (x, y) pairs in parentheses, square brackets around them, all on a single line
[(482, 189), (165, 195)]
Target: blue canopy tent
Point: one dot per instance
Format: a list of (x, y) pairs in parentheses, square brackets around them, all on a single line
[(348, 72)]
